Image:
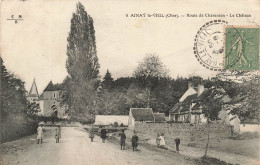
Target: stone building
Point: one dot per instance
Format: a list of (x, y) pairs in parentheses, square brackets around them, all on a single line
[(49, 100)]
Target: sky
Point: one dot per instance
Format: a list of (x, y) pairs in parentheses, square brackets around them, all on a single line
[(36, 46)]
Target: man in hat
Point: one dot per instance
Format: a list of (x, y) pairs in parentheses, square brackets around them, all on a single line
[(122, 140), (40, 133)]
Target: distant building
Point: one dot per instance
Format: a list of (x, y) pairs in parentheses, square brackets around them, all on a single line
[(141, 115), (49, 100), (111, 119), (33, 95), (187, 110), (159, 117)]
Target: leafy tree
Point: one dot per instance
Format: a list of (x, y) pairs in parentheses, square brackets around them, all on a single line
[(82, 66), (148, 73), (33, 109), (211, 103), (13, 94), (82, 62), (123, 83), (138, 97), (246, 103), (151, 66), (108, 81)]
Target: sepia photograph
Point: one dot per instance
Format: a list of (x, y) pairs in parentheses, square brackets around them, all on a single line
[(134, 82)]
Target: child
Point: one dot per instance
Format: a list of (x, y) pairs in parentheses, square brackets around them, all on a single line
[(134, 141), (58, 133), (158, 140), (122, 140), (91, 134), (177, 142), (40, 133)]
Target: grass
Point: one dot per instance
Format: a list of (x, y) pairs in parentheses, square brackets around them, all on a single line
[(246, 147)]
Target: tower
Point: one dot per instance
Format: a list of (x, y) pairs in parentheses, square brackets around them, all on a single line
[(33, 95)]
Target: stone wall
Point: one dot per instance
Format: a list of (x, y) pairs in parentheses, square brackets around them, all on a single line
[(186, 132)]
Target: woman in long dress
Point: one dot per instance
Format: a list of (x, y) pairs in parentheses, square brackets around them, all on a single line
[(162, 141), (40, 133)]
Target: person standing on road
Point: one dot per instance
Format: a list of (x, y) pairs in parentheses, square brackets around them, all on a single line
[(58, 133), (103, 134), (91, 134), (40, 133), (162, 141), (158, 140), (134, 141), (122, 140), (177, 142)]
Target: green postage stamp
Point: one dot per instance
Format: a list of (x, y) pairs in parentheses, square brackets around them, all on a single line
[(241, 48)]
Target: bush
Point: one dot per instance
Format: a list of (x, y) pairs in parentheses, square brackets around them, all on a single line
[(121, 125), (116, 124)]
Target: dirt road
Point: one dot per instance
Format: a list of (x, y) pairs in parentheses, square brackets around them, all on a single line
[(75, 148)]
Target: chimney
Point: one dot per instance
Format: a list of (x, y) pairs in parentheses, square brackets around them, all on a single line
[(190, 85), (200, 89)]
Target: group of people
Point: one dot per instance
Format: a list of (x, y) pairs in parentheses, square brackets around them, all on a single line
[(134, 140), (41, 129), (160, 141), (103, 134)]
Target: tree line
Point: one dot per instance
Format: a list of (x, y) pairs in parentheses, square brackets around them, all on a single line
[(18, 116)]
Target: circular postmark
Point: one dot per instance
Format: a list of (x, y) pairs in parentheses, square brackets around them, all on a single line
[(208, 45)]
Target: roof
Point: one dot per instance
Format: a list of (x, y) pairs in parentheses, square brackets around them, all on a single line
[(41, 97), (187, 102), (51, 87), (176, 108), (111, 119), (189, 92), (159, 117), (142, 114), (33, 91)]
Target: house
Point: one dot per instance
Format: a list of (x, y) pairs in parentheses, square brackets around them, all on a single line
[(159, 117), (111, 119), (49, 100), (187, 110), (140, 115)]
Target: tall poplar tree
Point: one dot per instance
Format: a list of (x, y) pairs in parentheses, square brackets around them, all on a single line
[(82, 65)]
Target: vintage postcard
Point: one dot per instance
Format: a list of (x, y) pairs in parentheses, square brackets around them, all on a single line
[(135, 82)]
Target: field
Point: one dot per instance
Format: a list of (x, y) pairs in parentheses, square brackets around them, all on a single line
[(193, 141)]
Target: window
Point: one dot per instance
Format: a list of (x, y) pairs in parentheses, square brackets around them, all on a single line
[(54, 95)]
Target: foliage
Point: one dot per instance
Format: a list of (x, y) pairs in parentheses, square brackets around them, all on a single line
[(116, 124), (82, 66), (17, 116), (13, 94), (110, 100), (246, 103), (33, 109), (151, 66), (108, 81), (211, 103), (82, 62)]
